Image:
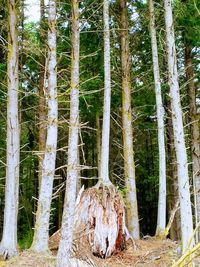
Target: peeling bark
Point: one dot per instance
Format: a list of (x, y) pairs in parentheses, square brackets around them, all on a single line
[(99, 223), (100, 220)]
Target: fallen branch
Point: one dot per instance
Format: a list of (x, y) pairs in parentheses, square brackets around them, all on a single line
[(171, 219), (186, 255)]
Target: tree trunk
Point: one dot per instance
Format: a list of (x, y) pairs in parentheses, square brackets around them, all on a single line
[(104, 172), (161, 219), (8, 245), (42, 101), (194, 132), (99, 221), (41, 233), (105, 213), (98, 139), (100, 213), (65, 245), (173, 194), (78, 185), (179, 141), (100, 210), (129, 164)]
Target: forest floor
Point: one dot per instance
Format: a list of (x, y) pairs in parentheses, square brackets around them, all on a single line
[(151, 253)]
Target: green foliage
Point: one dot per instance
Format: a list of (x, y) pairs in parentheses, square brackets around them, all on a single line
[(26, 240), (34, 51), (187, 20)]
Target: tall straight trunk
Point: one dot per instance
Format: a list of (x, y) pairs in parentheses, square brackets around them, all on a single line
[(21, 48), (129, 164), (9, 240), (42, 101), (65, 245), (104, 163), (173, 194), (161, 219), (78, 184), (41, 233), (98, 140), (194, 132), (179, 140), (99, 217)]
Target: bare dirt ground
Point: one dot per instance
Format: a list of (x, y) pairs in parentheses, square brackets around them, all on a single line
[(151, 253)]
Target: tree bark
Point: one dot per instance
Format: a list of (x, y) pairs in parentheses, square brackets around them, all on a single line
[(161, 219), (179, 141), (99, 221), (65, 245), (129, 164), (194, 132), (100, 209), (42, 101), (41, 233), (98, 140), (8, 245), (104, 172), (172, 177)]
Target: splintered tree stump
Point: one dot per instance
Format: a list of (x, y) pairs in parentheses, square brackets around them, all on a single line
[(100, 216), (99, 222)]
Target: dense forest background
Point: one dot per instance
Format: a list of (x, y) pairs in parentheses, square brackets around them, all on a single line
[(32, 58)]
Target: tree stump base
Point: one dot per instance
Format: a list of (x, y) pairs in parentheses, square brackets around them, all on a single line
[(99, 223), (100, 220)]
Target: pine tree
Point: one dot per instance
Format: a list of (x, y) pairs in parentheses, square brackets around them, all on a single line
[(65, 245), (42, 100), (161, 219), (177, 121), (8, 245), (195, 141), (105, 141), (129, 164), (41, 231)]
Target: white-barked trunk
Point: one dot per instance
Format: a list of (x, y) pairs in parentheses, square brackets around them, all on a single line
[(161, 219), (41, 233), (179, 141), (65, 245), (104, 162), (8, 244)]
